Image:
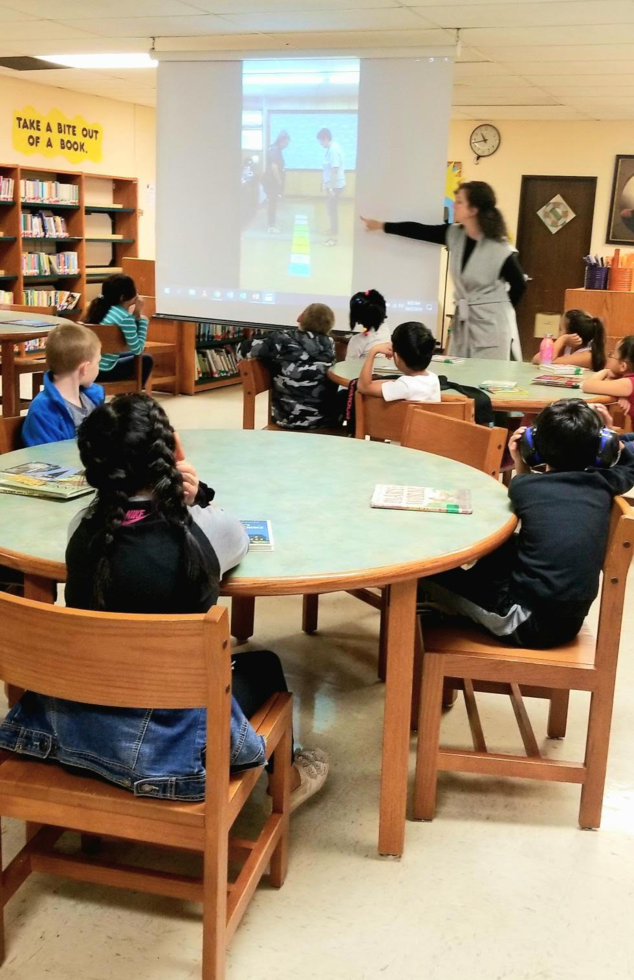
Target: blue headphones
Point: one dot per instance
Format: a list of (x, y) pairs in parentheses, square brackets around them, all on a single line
[(607, 454)]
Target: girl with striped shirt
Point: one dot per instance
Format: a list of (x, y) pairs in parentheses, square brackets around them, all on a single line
[(120, 305)]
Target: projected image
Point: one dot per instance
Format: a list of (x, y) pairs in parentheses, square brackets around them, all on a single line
[(299, 161)]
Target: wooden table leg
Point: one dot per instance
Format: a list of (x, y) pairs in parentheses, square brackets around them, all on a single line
[(242, 617), (310, 613), (396, 732), (10, 398)]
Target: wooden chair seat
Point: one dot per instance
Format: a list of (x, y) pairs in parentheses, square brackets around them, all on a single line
[(472, 642)]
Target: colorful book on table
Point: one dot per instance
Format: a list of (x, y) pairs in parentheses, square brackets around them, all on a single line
[(44, 480), (556, 381), (394, 497), (260, 535)]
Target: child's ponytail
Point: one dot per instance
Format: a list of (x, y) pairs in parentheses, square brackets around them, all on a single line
[(597, 344), (367, 310), (115, 290)]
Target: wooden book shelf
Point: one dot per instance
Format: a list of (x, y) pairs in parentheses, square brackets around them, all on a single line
[(114, 198)]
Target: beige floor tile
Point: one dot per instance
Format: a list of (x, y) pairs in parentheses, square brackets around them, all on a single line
[(501, 886)]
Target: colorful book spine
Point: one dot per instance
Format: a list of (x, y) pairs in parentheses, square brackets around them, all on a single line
[(48, 192), (6, 188), (6, 298)]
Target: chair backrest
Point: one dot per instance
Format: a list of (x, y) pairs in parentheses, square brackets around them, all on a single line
[(618, 556), (475, 445), (114, 342), (10, 433), (256, 378), (121, 660), (383, 420)]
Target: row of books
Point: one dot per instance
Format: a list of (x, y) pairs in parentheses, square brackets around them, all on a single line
[(6, 298), (219, 362), (61, 298), (48, 264), (43, 224), (48, 192), (206, 332), (6, 188)]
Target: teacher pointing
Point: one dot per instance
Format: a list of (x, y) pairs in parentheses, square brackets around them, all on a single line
[(487, 277)]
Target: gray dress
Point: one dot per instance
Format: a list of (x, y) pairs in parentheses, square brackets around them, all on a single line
[(484, 324)]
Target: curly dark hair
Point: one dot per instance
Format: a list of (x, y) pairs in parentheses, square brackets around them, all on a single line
[(481, 195), (126, 447)]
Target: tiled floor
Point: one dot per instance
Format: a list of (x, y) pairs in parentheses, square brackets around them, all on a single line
[(501, 886)]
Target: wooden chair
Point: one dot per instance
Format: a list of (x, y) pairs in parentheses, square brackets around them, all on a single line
[(256, 379), (33, 363), (470, 660), (162, 343), (475, 445), (113, 342), (147, 662), (383, 421), (10, 433)]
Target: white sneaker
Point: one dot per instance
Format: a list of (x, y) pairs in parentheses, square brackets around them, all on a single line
[(273, 230), (330, 242), (312, 766)]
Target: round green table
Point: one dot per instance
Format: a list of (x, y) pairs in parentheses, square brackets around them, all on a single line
[(316, 492), (528, 398)]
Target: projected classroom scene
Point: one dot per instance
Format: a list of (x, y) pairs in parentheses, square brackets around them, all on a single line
[(299, 160)]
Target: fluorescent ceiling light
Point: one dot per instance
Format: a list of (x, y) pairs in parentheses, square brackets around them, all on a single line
[(98, 60)]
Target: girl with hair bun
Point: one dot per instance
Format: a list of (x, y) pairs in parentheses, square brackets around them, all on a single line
[(487, 277), (368, 311), (151, 542)]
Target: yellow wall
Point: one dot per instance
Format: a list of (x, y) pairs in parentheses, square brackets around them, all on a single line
[(558, 148), (128, 139)]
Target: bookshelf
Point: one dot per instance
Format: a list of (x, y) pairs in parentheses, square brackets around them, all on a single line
[(101, 225)]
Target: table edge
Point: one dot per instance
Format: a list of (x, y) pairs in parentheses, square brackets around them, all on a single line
[(303, 585)]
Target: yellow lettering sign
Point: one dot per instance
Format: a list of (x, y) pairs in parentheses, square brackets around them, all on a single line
[(55, 134)]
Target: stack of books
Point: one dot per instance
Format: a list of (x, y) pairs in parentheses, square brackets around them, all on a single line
[(218, 362), (6, 298), (44, 224), (49, 264), (60, 298), (6, 188), (48, 192), (206, 332)]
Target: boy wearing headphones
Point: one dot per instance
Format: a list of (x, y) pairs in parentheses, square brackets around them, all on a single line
[(535, 591)]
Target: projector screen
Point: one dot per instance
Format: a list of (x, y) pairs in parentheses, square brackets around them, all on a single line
[(264, 167)]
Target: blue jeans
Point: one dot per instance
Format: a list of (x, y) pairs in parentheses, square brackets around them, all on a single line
[(158, 753)]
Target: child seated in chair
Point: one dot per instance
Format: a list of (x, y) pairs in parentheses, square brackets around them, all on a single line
[(69, 394), (303, 396), (412, 346), (535, 591)]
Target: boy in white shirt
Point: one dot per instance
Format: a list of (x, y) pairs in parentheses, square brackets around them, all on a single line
[(412, 347)]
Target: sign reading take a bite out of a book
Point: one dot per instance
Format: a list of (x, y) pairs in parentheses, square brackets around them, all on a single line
[(55, 134)]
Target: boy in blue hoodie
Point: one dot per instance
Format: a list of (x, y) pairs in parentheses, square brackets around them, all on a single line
[(70, 394)]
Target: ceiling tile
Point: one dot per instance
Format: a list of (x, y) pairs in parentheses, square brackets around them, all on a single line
[(36, 30), (116, 27), (12, 13), (537, 69), (531, 96), (230, 7), (543, 37), (66, 9), (488, 113), (478, 70), (557, 13), (557, 53), (391, 18), (494, 83)]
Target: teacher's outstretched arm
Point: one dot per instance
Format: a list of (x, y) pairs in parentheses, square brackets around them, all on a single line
[(409, 229)]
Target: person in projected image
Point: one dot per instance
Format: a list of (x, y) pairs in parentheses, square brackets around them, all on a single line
[(274, 175), (333, 180), (487, 277)]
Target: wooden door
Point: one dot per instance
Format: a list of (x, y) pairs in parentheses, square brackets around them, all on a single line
[(554, 262)]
